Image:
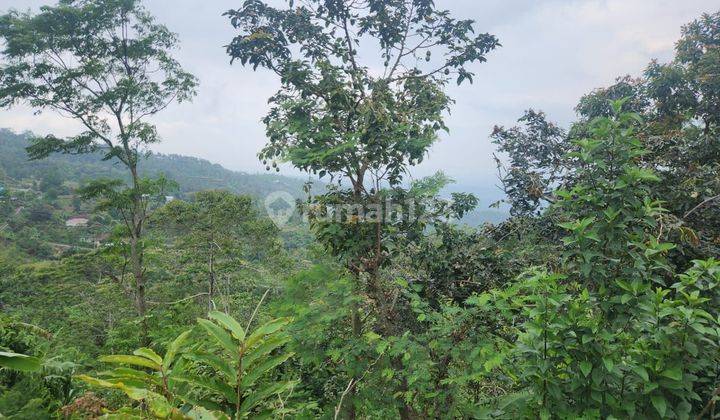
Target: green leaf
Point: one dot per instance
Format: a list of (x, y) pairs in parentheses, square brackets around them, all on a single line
[(220, 336), (200, 413), (609, 364), (218, 387), (229, 323), (20, 362), (592, 236), (266, 329), (148, 354), (128, 374), (641, 372), (259, 395), (658, 401), (156, 403), (674, 373), (217, 363), (372, 336), (256, 372), (265, 348), (96, 382), (131, 360), (567, 225), (586, 368), (174, 348), (642, 174)]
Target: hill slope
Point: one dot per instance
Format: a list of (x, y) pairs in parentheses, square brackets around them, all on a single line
[(192, 174)]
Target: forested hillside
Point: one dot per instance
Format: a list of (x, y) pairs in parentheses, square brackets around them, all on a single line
[(170, 288), (191, 174)]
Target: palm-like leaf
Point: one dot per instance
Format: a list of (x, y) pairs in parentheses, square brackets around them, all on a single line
[(21, 362), (238, 360), (253, 355)]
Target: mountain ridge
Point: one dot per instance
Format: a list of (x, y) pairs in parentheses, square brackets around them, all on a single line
[(191, 173)]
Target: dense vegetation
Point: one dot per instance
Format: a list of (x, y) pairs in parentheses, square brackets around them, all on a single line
[(598, 298)]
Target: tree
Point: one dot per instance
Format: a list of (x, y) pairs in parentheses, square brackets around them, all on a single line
[(536, 153), (336, 116), (106, 64), (598, 103), (698, 55), (676, 100), (218, 232), (617, 329), (51, 184)]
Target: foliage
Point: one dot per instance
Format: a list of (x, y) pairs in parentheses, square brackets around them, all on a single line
[(535, 153), (598, 298), (17, 361), (219, 233), (83, 58), (332, 116), (107, 65), (615, 332), (222, 377)]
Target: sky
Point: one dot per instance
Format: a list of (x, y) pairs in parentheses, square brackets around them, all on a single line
[(553, 52)]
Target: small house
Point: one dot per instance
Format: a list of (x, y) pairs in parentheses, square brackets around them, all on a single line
[(77, 221)]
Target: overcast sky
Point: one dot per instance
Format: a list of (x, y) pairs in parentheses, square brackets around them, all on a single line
[(553, 52)]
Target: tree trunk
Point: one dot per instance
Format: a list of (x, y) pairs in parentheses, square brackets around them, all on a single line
[(211, 285), (357, 332), (140, 300), (136, 256)]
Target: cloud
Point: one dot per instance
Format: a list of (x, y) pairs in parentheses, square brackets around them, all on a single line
[(554, 51)]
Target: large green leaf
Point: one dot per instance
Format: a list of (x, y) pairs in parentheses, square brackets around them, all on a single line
[(674, 373), (200, 413), (218, 387), (641, 372), (155, 402), (121, 372), (96, 381), (19, 362), (658, 401), (256, 372), (148, 354), (131, 360), (217, 363), (259, 395), (190, 397), (266, 329), (131, 377), (586, 368), (174, 348), (265, 348), (222, 337), (229, 323)]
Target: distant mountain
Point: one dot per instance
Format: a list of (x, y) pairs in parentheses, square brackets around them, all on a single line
[(192, 174)]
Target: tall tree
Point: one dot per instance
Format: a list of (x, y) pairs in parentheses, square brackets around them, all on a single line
[(679, 100), (218, 233), (362, 100), (108, 65)]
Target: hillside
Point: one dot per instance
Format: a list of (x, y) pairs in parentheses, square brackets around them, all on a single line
[(585, 284), (192, 174)]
